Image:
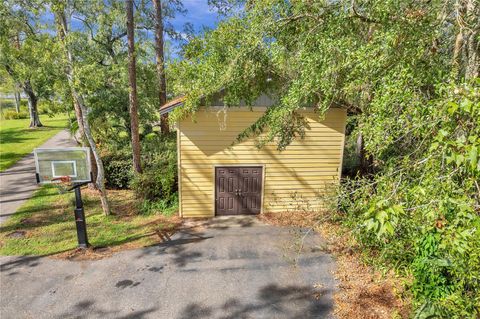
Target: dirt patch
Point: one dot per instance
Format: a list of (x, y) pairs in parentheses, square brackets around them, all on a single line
[(363, 292), (78, 254), (17, 234), (298, 219), (123, 203), (33, 221)]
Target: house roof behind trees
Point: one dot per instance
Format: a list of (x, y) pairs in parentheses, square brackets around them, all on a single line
[(169, 106)]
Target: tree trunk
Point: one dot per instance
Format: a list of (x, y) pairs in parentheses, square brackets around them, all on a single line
[(160, 59), (132, 78), (100, 180), (93, 161), (32, 105), (466, 53), (457, 53), (473, 42), (17, 98), (79, 101), (364, 160), (79, 117)]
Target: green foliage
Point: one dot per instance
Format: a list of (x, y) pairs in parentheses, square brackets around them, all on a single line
[(6, 104), (159, 178), (421, 211), (167, 207), (50, 108), (26, 54), (381, 218), (313, 53), (13, 115), (118, 170)]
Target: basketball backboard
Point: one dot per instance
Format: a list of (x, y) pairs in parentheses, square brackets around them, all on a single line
[(54, 163)]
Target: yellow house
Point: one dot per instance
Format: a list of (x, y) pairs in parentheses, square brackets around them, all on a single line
[(217, 177)]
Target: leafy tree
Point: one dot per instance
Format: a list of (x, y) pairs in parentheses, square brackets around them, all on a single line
[(26, 55)]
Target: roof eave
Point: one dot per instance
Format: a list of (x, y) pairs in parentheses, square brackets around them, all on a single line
[(170, 108)]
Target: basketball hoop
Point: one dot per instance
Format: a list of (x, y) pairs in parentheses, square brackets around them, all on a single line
[(62, 183), (68, 169)]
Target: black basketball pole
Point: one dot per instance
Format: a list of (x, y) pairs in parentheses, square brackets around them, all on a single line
[(80, 221)]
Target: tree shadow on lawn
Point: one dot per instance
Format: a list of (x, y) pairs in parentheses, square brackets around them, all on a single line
[(24, 198), (29, 222), (8, 159), (16, 136), (47, 209), (19, 136)]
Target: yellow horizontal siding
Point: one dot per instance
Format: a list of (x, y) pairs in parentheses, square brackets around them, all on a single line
[(302, 173), (279, 169), (294, 165), (202, 189), (292, 159), (326, 176)]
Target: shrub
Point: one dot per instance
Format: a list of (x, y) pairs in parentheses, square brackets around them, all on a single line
[(13, 115), (159, 180), (44, 110), (118, 170), (6, 104), (50, 108)]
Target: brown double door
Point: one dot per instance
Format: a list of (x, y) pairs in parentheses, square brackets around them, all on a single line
[(238, 190)]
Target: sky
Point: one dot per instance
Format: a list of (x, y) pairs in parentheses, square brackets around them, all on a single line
[(199, 14)]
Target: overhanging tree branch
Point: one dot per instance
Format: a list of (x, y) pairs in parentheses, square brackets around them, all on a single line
[(359, 16)]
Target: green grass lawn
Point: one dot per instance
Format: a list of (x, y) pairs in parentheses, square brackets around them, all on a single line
[(17, 140), (45, 225)]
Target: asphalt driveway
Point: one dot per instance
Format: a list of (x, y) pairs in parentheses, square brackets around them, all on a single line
[(229, 269)]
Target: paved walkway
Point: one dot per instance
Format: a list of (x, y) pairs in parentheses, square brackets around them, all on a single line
[(18, 183), (237, 270)]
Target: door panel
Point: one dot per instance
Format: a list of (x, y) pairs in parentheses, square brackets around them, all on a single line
[(250, 190), (226, 185), (238, 190)]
